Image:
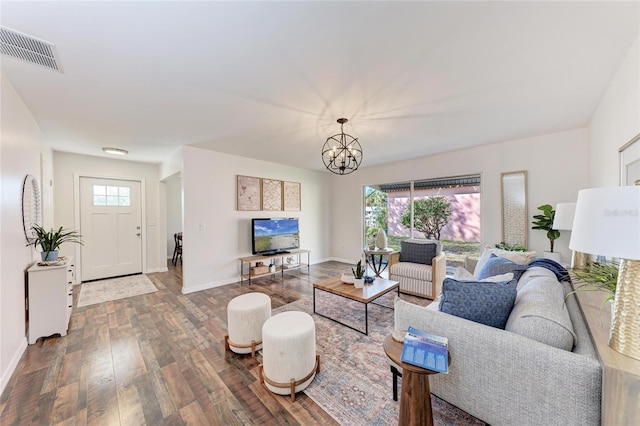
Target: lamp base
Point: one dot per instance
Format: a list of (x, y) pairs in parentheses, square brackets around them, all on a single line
[(625, 324), (581, 260)]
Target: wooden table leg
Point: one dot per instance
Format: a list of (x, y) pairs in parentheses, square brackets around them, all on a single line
[(415, 401)]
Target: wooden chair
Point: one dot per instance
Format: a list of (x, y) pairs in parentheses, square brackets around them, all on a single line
[(177, 251)]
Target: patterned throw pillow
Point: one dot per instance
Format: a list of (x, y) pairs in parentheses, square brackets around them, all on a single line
[(421, 252), (483, 302), (496, 265)]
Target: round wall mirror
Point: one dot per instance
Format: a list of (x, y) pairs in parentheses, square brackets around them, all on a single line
[(31, 206)]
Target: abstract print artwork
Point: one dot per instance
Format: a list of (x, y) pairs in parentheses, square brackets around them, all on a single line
[(249, 193)]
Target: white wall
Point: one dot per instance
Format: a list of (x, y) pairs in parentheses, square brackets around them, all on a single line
[(174, 210), (21, 146), (216, 234), (557, 167), (65, 165), (616, 121)]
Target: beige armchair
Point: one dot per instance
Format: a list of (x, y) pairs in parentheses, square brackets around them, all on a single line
[(410, 267)]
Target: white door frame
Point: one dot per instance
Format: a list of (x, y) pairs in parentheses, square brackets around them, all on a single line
[(629, 153), (76, 215)]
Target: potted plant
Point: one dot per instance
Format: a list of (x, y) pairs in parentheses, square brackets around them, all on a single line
[(544, 222), (598, 277), (50, 241), (358, 274)]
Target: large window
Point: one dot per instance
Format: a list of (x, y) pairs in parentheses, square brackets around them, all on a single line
[(447, 209)]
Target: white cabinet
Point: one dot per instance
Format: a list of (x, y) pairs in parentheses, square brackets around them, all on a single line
[(49, 299)]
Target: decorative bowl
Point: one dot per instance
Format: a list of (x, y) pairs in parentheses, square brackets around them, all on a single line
[(347, 278)]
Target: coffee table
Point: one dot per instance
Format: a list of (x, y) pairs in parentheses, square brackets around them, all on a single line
[(365, 295)]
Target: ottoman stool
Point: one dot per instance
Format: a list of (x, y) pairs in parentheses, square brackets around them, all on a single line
[(245, 316), (289, 360)]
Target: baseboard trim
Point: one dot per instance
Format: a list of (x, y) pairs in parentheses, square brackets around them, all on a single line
[(209, 285), (11, 368)]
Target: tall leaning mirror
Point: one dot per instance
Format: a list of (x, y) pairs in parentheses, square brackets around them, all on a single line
[(514, 208)]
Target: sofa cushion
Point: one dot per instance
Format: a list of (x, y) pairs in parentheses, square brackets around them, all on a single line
[(540, 313), (419, 251), (412, 270), (480, 301), (523, 257), (496, 265)]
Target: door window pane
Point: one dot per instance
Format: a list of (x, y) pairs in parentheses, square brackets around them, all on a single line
[(111, 195)]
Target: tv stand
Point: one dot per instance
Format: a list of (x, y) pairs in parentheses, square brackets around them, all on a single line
[(251, 260)]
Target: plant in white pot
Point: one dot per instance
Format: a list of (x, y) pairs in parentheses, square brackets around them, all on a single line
[(50, 241), (358, 274), (544, 222)]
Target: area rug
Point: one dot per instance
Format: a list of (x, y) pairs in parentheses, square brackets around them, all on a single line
[(355, 384), (95, 292)]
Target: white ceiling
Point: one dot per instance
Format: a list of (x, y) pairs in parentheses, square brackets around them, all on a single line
[(268, 80)]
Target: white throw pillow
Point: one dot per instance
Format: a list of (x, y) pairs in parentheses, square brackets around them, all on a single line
[(464, 275), (523, 257)]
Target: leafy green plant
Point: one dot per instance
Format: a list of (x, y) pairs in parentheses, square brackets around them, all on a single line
[(358, 273), (598, 277), (51, 240), (430, 215), (544, 222), (504, 246)]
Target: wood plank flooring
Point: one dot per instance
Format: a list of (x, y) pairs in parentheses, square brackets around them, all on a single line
[(156, 359)]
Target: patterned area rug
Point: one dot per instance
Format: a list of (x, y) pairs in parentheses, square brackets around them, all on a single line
[(95, 292), (355, 383)]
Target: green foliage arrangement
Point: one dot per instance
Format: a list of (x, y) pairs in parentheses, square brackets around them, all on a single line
[(598, 277), (544, 222), (430, 215), (51, 240), (358, 273), (504, 246)]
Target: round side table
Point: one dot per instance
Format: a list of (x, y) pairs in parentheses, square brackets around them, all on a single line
[(415, 400)]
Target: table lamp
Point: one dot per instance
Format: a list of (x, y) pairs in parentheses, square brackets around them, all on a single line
[(607, 222), (563, 221)]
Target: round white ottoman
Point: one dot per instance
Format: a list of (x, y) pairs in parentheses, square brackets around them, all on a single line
[(245, 316), (289, 361)]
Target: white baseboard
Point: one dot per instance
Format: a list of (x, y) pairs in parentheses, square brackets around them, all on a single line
[(152, 270), (15, 359), (207, 286)]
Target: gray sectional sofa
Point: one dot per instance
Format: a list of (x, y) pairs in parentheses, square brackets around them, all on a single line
[(542, 369)]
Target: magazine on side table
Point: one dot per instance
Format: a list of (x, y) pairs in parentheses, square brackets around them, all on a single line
[(426, 350)]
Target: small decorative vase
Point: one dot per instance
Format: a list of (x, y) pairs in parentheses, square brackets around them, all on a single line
[(381, 239), (48, 256), (358, 282)]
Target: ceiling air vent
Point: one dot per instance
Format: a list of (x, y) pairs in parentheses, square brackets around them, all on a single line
[(29, 49)]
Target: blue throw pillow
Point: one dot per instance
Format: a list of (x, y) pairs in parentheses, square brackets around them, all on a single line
[(479, 301), (497, 265), (418, 252)]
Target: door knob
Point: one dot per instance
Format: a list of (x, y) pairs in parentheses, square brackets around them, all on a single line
[(138, 234)]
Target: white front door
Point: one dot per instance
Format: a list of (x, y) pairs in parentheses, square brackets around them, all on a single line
[(110, 224)]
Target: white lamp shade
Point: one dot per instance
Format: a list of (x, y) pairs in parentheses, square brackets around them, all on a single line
[(607, 222), (563, 219)]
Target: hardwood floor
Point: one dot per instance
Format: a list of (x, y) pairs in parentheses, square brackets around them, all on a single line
[(156, 359)]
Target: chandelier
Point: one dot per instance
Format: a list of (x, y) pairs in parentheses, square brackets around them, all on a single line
[(342, 153)]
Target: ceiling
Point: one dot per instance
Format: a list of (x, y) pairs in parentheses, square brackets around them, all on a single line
[(268, 80)]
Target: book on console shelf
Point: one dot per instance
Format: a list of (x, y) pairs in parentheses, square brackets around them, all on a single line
[(290, 266), (426, 350)]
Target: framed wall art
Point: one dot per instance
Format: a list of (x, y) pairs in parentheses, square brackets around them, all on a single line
[(249, 195), (292, 196), (271, 194)]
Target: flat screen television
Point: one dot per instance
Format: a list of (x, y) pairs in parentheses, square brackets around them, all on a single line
[(274, 235)]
